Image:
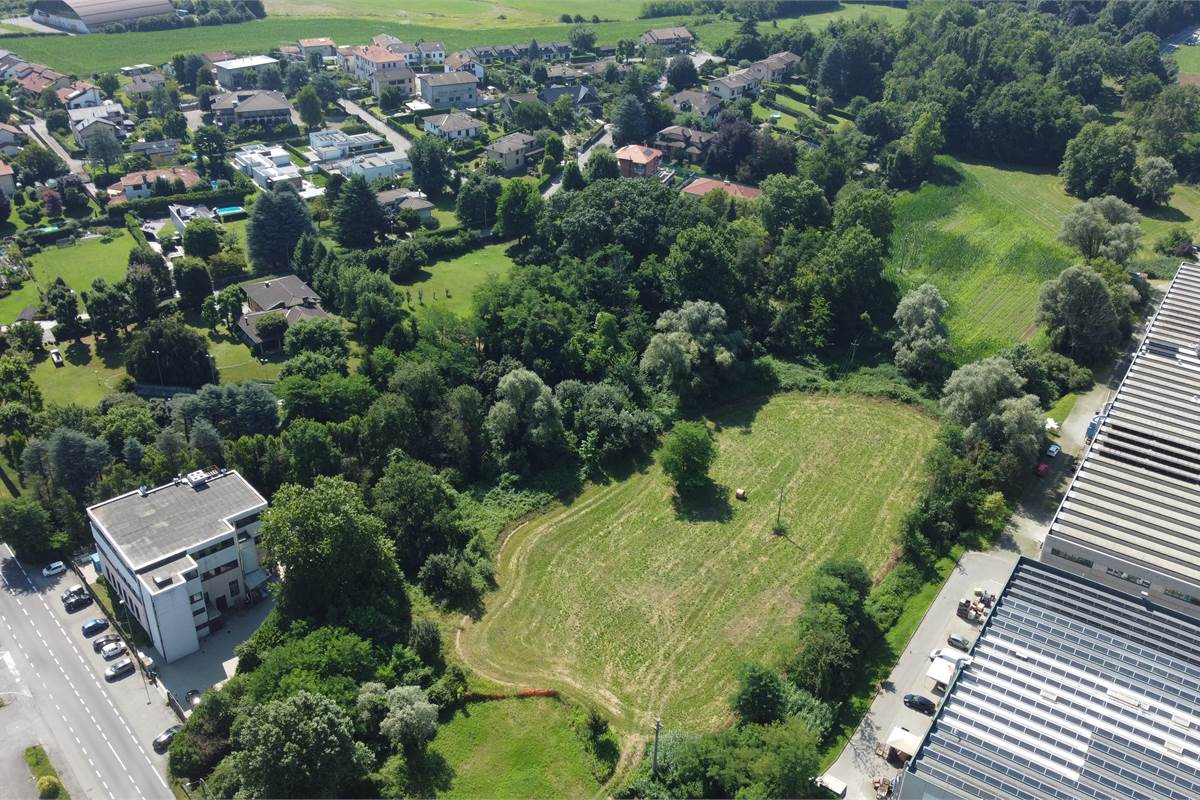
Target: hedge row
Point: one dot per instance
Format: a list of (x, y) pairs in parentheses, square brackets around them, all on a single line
[(154, 206)]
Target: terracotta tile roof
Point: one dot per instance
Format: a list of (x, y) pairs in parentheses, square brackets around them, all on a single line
[(702, 186), (638, 154)]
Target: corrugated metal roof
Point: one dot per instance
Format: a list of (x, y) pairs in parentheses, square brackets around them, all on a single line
[(98, 13)]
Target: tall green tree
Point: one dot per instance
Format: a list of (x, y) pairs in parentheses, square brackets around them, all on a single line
[(518, 210), (687, 454), (310, 107), (430, 157), (357, 217), (277, 221)]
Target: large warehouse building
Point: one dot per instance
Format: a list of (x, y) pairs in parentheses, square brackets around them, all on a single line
[(89, 16), (1076, 690), (1131, 516)]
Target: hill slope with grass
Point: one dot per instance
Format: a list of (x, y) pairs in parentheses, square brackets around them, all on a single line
[(644, 606), (986, 236)]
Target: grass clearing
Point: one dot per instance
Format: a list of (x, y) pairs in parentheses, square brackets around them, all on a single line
[(986, 235), (522, 748), (39, 764), (455, 23), (87, 374), (645, 607), (451, 284), (1188, 59), (77, 264)]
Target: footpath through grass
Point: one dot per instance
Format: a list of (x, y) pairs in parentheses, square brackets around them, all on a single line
[(644, 606), (40, 766)]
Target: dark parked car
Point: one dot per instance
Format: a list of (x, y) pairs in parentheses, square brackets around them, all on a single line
[(76, 590), (919, 703), (192, 698), (119, 669), (76, 602), (108, 638), (94, 626), (163, 741)]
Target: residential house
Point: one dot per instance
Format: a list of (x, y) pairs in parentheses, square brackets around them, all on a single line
[(373, 58), (178, 556), (455, 125), (516, 151), (345, 57), (181, 215), (394, 201), (33, 79), (8, 182), (158, 152), (734, 85), (335, 145), (217, 57), (89, 16), (684, 143), (251, 107), (705, 106), (580, 95), (290, 52), (564, 74), (86, 122), (10, 64), (134, 70), (267, 165), (432, 52), (372, 166), (638, 161), (510, 102), (79, 94), (702, 186), (775, 67), (671, 40), (140, 185), (286, 295), (12, 139), (403, 78), (449, 89), (143, 85), (550, 50), (318, 44), (232, 73), (459, 62)]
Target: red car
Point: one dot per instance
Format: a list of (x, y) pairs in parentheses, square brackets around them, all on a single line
[(1041, 469)]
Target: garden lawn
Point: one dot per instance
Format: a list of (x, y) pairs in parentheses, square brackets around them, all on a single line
[(451, 284), (1188, 59), (986, 236), (86, 375), (78, 265), (514, 749), (459, 23), (645, 606)]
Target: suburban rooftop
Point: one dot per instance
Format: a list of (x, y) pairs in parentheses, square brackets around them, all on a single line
[(148, 525)]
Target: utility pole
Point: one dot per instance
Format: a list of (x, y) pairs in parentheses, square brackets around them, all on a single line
[(657, 728)]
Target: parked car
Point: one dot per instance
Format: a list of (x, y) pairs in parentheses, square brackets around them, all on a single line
[(105, 640), (77, 589), (951, 655), (959, 641), (1041, 469), (920, 703), (163, 740), (112, 650), (56, 357), (56, 568), (94, 626), (119, 669), (192, 698), (1053, 450), (76, 602)]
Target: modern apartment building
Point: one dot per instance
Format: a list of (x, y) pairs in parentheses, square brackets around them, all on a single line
[(179, 555)]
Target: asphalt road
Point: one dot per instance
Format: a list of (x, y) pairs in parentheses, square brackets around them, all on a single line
[(98, 734)]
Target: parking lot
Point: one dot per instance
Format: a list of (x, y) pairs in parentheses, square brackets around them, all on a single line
[(859, 765)]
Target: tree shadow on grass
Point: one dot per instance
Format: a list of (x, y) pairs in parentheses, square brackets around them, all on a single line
[(78, 353), (706, 503), (1166, 214), (428, 774)]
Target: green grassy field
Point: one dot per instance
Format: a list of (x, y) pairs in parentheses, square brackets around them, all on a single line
[(86, 375), (987, 237), (1188, 59), (460, 277), (645, 607), (514, 749), (457, 24), (78, 265)]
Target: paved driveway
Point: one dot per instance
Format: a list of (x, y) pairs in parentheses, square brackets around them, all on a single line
[(399, 143), (582, 159), (858, 765)]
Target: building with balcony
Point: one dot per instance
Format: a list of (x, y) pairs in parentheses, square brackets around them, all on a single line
[(179, 555)]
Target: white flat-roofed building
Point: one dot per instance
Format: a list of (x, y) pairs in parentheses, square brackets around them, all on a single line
[(179, 555), (1131, 515), (334, 145), (372, 166), (267, 165), (231, 71)]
